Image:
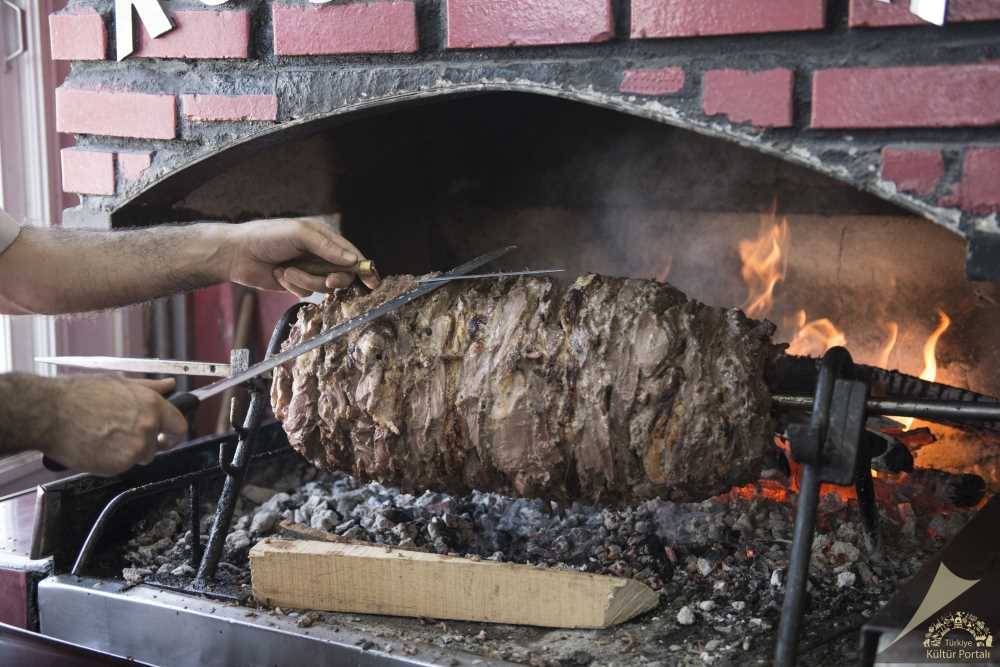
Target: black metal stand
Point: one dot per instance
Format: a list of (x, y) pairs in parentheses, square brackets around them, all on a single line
[(235, 470), (829, 450), (835, 448)]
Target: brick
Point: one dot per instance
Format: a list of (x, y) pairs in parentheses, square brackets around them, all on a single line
[(477, 24), (200, 34), (88, 172), (912, 170), (78, 35), (691, 18), (935, 96), (14, 595), (761, 98), (875, 14), (117, 114), (652, 81), (132, 164), (357, 27), (226, 107), (980, 188)]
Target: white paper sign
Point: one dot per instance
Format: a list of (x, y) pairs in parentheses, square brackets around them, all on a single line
[(151, 17), (932, 11)]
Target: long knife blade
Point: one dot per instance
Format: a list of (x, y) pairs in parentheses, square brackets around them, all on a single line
[(137, 365), (498, 274), (345, 327)]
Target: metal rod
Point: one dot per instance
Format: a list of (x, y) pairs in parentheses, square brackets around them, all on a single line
[(868, 507), (230, 493), (796, 581), (152, 488), (194, 501), (97, 530), (786, 649), (239, 361), (927, 409)]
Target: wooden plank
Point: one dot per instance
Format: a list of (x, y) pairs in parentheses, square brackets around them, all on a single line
[(372, 579)]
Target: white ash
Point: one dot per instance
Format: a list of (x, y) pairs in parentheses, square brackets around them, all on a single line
[(685, 615), (264, 521), (846, 579)]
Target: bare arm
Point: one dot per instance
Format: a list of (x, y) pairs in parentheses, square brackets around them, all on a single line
[(98, 424), (52, 271)]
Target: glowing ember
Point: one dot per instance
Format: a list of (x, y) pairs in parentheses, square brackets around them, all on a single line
[(764, 261), (815, 337)]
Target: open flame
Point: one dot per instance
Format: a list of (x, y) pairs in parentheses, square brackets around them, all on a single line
[(930, 348), (883, 356), (764, 264), (930, 358), (764, 261), (815, 337)]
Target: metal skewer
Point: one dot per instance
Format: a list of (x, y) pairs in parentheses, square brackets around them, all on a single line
[(927, 409)]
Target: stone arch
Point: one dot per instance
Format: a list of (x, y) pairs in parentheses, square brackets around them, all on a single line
[(189, 167)]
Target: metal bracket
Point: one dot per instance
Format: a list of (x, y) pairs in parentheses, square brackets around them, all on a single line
[(21, 42), (841, 453), (239, 361)]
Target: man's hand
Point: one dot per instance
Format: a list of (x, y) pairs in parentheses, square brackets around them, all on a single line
[(301, 255), (110, 269), (107, 424)]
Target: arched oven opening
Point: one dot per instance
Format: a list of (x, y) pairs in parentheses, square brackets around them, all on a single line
[(587, 189)]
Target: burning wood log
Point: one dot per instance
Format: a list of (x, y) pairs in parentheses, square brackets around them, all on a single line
[(616, 390)]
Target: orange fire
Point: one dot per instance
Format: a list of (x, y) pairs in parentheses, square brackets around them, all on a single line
[(815, 337), (883, 356), (930, 358), (764, 261)]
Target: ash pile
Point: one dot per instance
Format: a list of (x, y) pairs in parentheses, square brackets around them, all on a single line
[(719, 564)]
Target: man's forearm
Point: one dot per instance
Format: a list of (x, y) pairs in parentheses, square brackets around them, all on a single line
[(51, 271), (26, 402)]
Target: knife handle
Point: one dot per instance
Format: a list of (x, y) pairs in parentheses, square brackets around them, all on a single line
[(184, 401)]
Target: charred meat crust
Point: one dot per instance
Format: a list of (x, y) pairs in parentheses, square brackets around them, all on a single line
[(615, 391)]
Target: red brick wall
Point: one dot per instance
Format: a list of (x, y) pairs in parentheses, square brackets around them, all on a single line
[(739, 67), (862, 90)]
